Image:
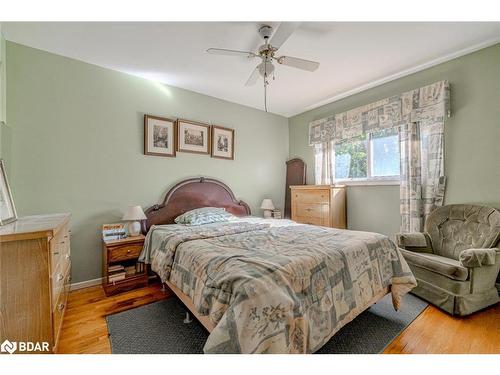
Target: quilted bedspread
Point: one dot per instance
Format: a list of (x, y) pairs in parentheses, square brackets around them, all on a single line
[(284, 289)]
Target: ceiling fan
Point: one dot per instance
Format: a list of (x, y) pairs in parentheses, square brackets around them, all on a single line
[(267, 53)]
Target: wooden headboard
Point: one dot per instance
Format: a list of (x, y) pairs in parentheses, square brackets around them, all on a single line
[(190, 194)]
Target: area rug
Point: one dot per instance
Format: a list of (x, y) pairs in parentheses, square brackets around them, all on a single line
[(158, 328)]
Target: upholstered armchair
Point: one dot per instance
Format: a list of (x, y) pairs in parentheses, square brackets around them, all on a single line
[(457, 258)]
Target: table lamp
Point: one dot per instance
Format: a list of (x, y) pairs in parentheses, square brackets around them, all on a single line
[(133, 215), (268, 207)]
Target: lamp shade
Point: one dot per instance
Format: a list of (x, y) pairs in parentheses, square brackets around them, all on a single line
[(134, 213), (267, 204)]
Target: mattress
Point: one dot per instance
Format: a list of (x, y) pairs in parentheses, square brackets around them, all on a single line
[(274, 286)]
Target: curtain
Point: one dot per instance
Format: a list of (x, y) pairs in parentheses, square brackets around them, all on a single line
[(324, 163), (419, 116), (428, 103), (421, 171)]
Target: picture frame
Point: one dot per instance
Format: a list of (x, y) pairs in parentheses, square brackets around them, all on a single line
[(193, 137), (222, 143), (160, 136), (8, 212)]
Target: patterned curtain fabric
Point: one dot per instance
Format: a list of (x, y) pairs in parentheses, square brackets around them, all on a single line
[(324, 163), (421, 142), (429, 103), (421, 171), (419, 116)]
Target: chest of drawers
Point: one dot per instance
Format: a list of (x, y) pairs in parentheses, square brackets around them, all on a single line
[(35, 267), (322, 205)]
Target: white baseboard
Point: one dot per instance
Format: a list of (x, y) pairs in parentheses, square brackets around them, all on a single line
[(86, 284)]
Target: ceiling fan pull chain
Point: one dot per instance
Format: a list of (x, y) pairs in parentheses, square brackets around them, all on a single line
[(265, 94), (265, 84)]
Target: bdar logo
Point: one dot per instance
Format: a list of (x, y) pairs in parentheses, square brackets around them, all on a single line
[(8, 346)]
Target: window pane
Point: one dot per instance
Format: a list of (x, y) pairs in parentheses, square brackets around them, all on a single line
[(351, 159), (385, 153)]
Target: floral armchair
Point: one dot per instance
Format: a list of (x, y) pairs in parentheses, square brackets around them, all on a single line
[(457, 259)]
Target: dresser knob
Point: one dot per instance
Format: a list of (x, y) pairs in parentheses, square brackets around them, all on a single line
[(67, 256), (60, 307), (60, 277), (128, 251)]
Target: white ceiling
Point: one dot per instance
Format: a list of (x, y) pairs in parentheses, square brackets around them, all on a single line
[(353, 56)]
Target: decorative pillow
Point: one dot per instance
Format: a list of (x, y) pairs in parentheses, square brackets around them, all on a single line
[(205, 215)]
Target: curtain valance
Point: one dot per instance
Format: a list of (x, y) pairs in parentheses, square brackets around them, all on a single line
[(429, 104)]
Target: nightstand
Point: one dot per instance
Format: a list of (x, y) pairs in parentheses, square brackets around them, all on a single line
[(120, 269)]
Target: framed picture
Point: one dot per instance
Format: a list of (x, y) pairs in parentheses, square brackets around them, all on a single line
[(193, 137), (7, 209), (159, 136), (222, 142)]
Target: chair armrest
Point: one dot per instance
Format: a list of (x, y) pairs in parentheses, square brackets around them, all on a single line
[(471, 258), (417, 242), (483, 265)]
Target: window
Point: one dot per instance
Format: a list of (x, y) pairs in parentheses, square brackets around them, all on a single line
[(373, 157)]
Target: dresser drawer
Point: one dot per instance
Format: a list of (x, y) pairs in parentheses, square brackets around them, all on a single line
[(310, 220), (316, 210), (312, 196), (59, 308), (60, 248), (60, 281), (124, 252)]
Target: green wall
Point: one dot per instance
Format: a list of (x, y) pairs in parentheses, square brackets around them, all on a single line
[(77, 145), (3, 79), (472, 135), (75, 136)]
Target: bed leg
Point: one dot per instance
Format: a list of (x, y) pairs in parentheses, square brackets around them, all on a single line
[(187, 319)]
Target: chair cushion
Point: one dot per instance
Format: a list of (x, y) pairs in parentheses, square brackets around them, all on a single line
[(419, 242), (457, 227), (436, 263), (439, 281)]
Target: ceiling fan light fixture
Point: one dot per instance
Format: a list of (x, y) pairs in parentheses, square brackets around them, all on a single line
[(273, 40), (266, 69)]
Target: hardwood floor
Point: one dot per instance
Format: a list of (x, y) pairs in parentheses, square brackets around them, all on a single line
[(84, 327), (85, 331), (436, 332)]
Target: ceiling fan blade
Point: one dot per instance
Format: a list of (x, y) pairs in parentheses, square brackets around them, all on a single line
[(230, 52), (295, 62), (285, 29), (253, 77)]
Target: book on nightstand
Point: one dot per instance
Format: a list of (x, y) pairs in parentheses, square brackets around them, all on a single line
[(117, 267), (116, 277), (131, 270), (116, 272), (116, 231)]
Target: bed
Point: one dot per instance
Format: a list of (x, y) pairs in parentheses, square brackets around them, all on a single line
[(267, 286)]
